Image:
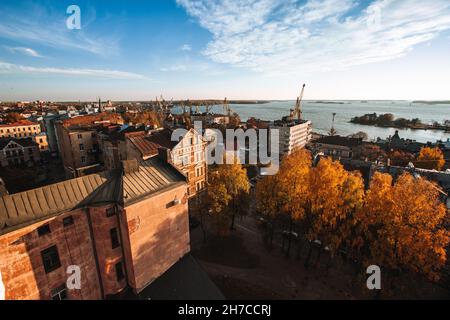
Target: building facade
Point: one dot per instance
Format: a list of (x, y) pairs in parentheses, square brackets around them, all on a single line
[(18, 152), (292, 135), (78, 142), (338, 147), (119, 230), (23, 130), (188, 154)]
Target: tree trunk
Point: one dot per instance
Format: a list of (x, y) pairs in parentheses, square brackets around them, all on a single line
[(299, 250), (308, 257), (233, 216), (289, 239), (318, 257)]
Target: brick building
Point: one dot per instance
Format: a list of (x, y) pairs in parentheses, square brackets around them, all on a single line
[(122, 228)]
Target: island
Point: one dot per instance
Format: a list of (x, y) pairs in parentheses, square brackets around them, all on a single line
[(388, 120)]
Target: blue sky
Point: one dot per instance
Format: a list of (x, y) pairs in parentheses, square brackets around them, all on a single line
[(241, 49)]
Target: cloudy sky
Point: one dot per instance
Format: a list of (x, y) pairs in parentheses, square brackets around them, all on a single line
[(241, 49)]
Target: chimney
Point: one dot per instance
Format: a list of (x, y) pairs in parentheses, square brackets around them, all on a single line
[(130, 166), (164, 154)]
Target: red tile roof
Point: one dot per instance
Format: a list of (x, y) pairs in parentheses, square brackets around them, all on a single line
[(19, 123), (145, 147), (113, 118)]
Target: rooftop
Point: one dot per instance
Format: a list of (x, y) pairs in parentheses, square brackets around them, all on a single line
[(27, 207), (93, 119), (340, 141), (26, 142), (18, 124)]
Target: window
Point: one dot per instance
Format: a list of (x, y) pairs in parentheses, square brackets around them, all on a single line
[(81, 147), (119, 271), (110, 212), (59, 293), (50, 259), (68, 221), (42, 231), (114, 238), (80, 136), (83, 159)]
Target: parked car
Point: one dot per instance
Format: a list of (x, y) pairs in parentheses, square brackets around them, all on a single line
[(290, 234)]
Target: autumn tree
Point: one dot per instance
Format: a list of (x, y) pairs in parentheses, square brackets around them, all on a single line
[(430, 158), (227, 184), (400, 158), (294, 191), (13, 117), (401, 225), (268, 202), (335, 197)]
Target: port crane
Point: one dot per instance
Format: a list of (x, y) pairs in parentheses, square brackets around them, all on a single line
[(297, 112), (226, 108)]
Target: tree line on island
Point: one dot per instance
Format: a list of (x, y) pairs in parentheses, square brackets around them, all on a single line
[(389, 120)]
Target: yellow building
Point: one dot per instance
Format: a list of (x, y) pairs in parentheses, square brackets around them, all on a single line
[(25, 129)]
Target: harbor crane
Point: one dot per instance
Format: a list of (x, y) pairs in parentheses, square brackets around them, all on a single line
[(297, 112), (226, 108)]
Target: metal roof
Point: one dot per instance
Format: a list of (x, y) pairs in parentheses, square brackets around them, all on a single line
[(33, 205), (153, 175), (27, 207)]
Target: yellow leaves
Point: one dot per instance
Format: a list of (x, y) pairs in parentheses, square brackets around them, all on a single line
[(397, 225), (226, 184), (407, 217), (430, 158)]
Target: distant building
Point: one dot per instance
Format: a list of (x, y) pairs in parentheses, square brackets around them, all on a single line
[(18, 152), (293, 134), (25, 129), (338, 147), (49, 124), (210, 119), (122, 228), (78, 141), (22, 129)]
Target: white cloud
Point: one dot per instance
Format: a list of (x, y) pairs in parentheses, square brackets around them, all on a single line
[(175, 68), (9, 68), (49, 28), (27, 51), (290, 36), (186, 47)]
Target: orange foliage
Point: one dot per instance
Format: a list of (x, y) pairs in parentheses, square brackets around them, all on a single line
[(401, 225), (335, 195), (430, 158)]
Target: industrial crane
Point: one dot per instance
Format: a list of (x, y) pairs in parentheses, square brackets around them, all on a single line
[(226, 108), (298, 105)]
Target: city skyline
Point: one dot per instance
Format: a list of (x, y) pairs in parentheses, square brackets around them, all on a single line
[(204, 50)]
